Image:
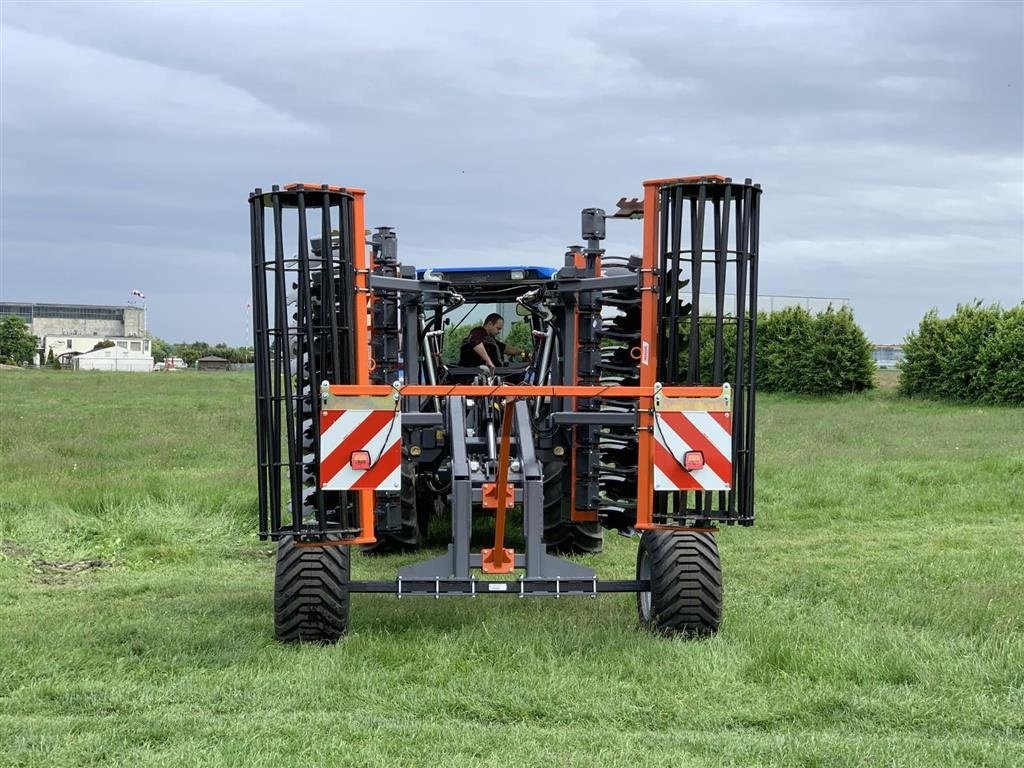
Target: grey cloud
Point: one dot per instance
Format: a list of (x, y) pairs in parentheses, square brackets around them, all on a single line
[(888, 138)]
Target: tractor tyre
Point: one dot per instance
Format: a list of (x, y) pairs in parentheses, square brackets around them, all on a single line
[(561, 535), (686, 583), (311, 592), (410, 536)]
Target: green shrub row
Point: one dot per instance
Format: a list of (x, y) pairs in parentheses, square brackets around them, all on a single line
[(797, 352), (823, 354), (974, 355)]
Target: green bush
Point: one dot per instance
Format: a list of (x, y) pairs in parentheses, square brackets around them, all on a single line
[(1001, 361), (785, 350), (921, 369), (17, 344), (453, 338), (840, 357), (797, 352), (974, 355), (706, 331)]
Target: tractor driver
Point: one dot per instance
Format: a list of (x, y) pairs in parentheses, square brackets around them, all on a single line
[(483, 347)]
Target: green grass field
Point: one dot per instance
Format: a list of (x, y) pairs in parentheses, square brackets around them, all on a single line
[(873, 617)]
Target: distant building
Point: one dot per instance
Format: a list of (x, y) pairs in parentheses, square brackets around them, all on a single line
[(113, 359), (69, 330), (212, 363), (887, 355), (79, 319), (71, 346)]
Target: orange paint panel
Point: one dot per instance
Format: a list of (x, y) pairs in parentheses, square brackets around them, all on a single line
[(490, 494), (386, 464), (360, 436), (684, 180), (693, 437), (498, 561), (669, 466), (305, 187), (723, 418), (519, 390)]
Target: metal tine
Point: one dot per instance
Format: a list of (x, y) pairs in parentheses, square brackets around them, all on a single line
[(345, 370), (740, 455), (696, 257), (348, 241), (275, 345), (675, 371), (665, 367), (259, 332), (671, 353), (721, 271), (753, 212), (327, 286), (664, 263), (284, 343), (305, 378), (693, 353)]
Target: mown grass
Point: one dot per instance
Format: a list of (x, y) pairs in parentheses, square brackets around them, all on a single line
[(874, 616)]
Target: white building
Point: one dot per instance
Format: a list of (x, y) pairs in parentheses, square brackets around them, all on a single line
[(69, 346), (113, 359)]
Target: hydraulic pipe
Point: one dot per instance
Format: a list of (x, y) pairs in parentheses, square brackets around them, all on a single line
[(544, 371)]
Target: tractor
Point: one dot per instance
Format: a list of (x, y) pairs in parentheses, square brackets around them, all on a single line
[(629, 405)]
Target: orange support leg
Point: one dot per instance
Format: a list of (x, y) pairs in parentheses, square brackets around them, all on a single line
[(365, 500), (648, 357), (499, 559)]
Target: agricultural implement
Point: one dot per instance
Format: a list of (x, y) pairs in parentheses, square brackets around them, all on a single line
[(633, 410)]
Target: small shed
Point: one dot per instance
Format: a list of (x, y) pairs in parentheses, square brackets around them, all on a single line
[(212, 363)]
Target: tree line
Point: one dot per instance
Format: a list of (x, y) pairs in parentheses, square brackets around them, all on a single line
[(190, 351)]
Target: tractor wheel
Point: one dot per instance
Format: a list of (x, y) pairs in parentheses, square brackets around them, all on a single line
[(311, 596), (561, 535), (686, 583), (410, 537)]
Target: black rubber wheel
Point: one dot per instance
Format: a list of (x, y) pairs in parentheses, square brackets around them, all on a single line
[(561, 535), (411, 534), (686, 583), (311, 595)]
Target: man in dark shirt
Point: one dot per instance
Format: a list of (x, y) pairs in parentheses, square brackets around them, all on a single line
[(483, 347)]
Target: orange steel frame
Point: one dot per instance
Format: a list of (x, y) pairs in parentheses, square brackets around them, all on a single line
[(648, 356), (518, 390), (648, 361), (365, 500), (500, 559)]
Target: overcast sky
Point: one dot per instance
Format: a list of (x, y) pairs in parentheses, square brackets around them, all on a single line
[(888, 137)]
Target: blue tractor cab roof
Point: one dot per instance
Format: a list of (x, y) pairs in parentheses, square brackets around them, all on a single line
[(491, 284), (536, 272)]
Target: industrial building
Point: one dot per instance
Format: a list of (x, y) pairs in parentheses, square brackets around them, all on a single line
[(69, 330), (104, 322)]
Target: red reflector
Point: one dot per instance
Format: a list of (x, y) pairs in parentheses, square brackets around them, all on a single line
[(361, 460), (693, 460)]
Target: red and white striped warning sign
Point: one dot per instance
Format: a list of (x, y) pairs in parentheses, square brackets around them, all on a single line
[(370, 437), (677, 433)]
